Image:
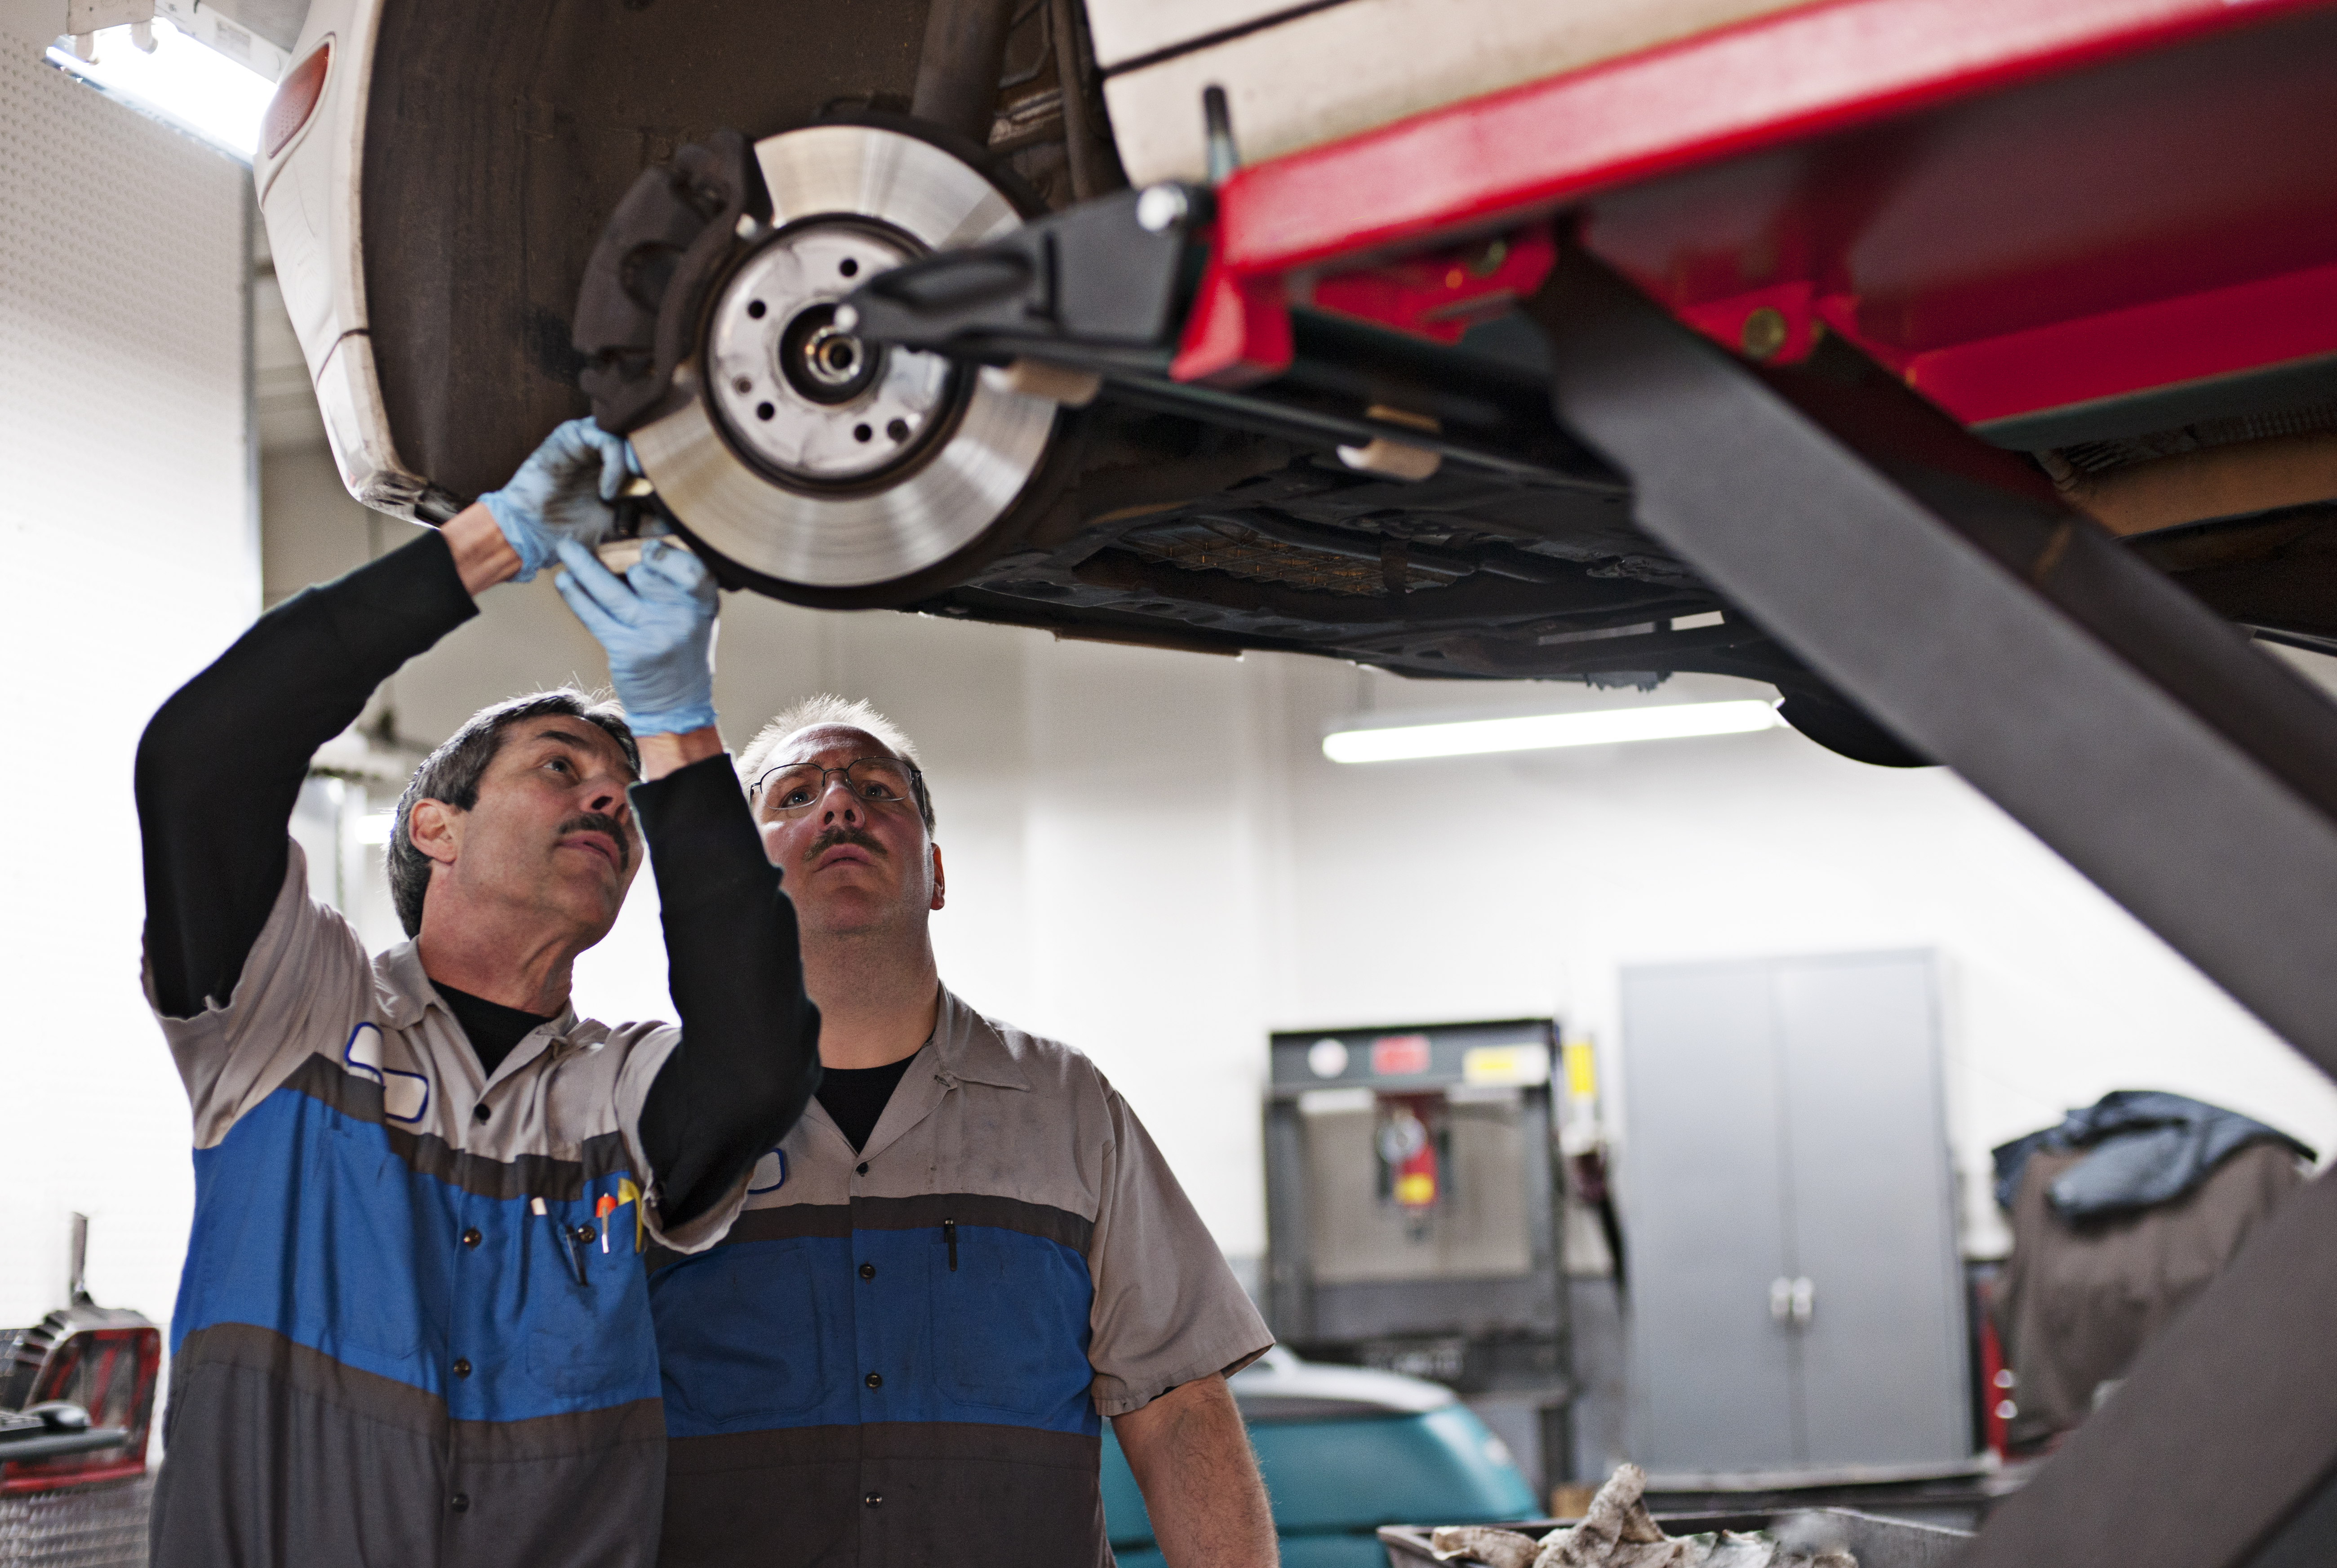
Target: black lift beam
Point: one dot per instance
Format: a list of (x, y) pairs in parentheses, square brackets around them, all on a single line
[(1945, 588)]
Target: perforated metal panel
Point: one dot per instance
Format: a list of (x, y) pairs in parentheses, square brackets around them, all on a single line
[(131, 558), (102, 1527)]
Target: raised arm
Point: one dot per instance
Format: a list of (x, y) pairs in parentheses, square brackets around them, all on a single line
[(220, 765), (221, 762), (749, 1058)]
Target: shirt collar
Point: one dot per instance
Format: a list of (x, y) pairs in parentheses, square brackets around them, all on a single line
[(969, 1049), (403, 988)]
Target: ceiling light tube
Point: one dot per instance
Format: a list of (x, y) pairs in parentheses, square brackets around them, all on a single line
[(196, 89), (1545, 731)]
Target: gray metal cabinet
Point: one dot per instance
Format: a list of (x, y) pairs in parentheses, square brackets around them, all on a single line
[(1789, 1206)]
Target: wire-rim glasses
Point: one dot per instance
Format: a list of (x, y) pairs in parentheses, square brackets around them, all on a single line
[(795, 788)]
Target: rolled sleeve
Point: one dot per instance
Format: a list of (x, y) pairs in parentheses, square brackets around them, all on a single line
[(1167, 1308)]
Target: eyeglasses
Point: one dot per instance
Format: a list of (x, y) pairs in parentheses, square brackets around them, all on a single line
[(796, 787)]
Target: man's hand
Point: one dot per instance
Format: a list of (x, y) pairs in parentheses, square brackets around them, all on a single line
[(656, 624), (562, 491), (1192, 1460)]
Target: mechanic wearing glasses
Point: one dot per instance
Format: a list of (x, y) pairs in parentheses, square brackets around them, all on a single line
[(965, 1254), (413, 1328)]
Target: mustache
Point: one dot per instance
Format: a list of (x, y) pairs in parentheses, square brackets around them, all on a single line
[(602, 822), (859, 836)]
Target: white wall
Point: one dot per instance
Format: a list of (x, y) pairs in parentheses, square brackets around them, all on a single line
[(128, 520), (1494, 887)]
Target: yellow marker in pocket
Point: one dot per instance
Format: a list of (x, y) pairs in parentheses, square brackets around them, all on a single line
[(629, 1193)]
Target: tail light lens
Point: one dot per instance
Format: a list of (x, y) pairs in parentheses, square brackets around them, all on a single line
[(296, 99)]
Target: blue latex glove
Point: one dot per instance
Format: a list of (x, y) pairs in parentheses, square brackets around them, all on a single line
[(656, 624), (561, 492)]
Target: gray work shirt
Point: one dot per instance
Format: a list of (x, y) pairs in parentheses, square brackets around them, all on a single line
[(903, 1355), (413, 1326)]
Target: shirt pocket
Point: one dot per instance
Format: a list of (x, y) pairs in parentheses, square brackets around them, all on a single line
[(587, 1341), (744, 1336), (359, 1218), (1010, 1321)]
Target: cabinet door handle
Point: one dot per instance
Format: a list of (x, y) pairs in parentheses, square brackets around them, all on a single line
[(1781, 1299), (1804, 1301)]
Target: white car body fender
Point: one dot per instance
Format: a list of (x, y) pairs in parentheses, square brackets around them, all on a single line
[(309, 198)]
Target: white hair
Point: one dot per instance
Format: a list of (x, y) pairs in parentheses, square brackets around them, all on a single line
[(823, 711)]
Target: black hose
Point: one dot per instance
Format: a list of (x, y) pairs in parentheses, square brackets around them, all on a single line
[(1088, 177), (958, 68)]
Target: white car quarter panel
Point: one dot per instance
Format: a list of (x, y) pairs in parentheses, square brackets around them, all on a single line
[(1332, 74), (348, 393), (310, 200), (1125, 29)]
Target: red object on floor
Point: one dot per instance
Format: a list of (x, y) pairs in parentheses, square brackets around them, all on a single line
[(1998, 1400), (2018, 206)]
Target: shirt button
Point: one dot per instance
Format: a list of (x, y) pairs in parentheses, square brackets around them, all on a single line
[(875, 1379), (479, 1112), (460, 1501), (471, 1237), (584, 1233), (868, 1270), (461, 1365), (861, 1169), (875, 1499)]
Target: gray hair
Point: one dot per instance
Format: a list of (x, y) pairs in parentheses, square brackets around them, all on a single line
[(848, 713), (451, 774)]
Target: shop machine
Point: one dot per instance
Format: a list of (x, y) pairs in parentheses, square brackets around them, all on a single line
[(1414, 1209)]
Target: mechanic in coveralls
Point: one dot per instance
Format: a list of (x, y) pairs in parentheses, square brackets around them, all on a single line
[(413, 1328), (965, 1254)]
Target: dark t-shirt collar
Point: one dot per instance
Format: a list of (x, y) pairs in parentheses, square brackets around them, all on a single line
[(492, 1028)]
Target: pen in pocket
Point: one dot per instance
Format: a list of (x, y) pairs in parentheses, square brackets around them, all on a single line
[(571, 1249)]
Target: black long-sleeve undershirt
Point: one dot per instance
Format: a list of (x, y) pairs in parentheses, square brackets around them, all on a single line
[(220, 771)]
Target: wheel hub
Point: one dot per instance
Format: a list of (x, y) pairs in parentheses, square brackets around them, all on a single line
[(806, 397)]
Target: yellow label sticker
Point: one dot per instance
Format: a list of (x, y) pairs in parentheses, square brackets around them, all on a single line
[(1581, 1070), (1505, 1065)]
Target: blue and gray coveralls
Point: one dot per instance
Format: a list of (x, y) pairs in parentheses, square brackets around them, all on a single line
[(414, 1328), (902, 1355)]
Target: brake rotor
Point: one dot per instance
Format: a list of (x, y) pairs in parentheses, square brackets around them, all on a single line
[(811, 457)]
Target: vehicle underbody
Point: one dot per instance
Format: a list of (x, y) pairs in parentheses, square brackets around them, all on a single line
[(1189, 516)]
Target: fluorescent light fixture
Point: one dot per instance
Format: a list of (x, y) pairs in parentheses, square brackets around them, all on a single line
[(375, 827), (1544, 731), (198, 90)]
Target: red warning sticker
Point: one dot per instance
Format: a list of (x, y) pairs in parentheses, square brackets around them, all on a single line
[(1399, 1056)]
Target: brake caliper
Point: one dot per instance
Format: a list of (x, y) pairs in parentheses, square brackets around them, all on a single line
[(636, 312)]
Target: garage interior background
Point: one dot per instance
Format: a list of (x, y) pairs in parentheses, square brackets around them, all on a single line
[(1148, 855)]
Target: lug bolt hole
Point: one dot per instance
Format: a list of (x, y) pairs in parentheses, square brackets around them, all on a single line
[(898, 429), (848, 267), (755, 309), (861, 433), (764, 410), (743, 386)]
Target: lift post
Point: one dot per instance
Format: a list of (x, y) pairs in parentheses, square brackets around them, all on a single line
[(1946, 589)]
